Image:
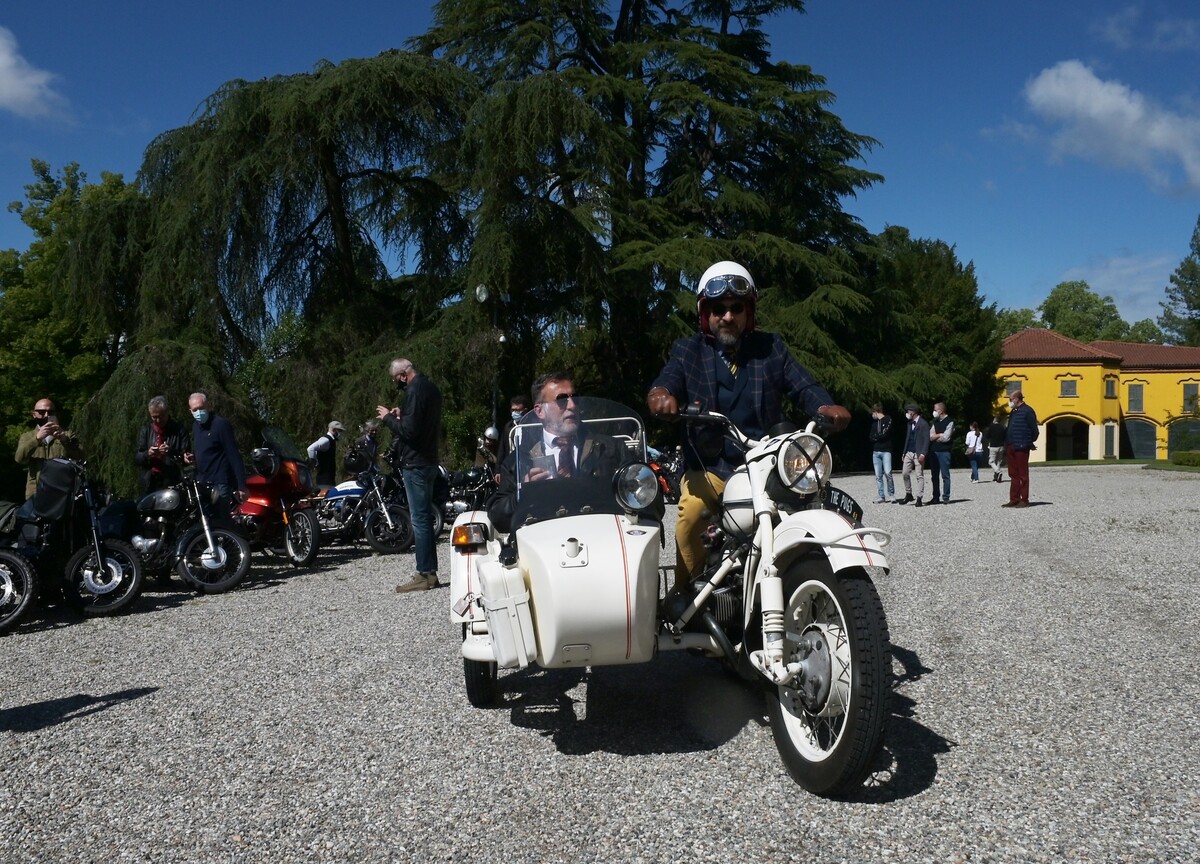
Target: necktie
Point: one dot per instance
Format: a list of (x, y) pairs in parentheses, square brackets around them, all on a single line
[(729, 361), (566, 456)]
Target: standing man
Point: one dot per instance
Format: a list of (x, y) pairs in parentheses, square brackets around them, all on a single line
[(996, 434), (415, 435), (916, 445), (161, 444), (47, 440), (216, 455), (1022, 432), (940, 436), (518, 407), (324, 450), (744, 374), (881, 453)]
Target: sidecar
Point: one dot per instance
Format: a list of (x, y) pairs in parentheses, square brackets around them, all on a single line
[(575, 582)]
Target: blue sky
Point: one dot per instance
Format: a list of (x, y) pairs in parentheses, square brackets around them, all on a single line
[(1046, 141)]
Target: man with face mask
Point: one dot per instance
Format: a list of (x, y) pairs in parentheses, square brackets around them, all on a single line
[(916, 445), (518, 407), (215, 454), (47, 440), (416, 431), (1022, 432), (941, 433)]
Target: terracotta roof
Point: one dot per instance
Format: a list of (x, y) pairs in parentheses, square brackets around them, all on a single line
[(1039, 345), (1140, 355)]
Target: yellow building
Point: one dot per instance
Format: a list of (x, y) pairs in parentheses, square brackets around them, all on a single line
[(1104, 400)]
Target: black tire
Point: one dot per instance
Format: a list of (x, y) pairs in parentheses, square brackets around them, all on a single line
[(103, 590), (829, 730), (18, 588), (302, 537), (222, 572), (385, 539), (480, 677)]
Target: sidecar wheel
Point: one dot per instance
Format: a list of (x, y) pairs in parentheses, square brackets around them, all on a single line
[(829, 728), (18, 587), (387, 540), (222, 572), (302, 538), (105, 587), (482, 688)]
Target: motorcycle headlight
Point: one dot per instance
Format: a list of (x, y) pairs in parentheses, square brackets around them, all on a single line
[(635, 486), (805, 464)]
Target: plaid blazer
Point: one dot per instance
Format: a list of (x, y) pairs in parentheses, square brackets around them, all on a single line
[(690, 374)]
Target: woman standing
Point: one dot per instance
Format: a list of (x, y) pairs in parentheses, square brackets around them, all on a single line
[(975, 450)]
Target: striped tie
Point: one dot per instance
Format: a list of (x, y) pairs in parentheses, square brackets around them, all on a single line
[(566, 456), (733, 367)]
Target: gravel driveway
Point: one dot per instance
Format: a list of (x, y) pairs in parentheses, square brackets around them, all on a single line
[(1045, 710)]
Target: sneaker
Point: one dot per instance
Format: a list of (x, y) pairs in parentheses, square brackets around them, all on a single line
[(419, 582), (879, 501)]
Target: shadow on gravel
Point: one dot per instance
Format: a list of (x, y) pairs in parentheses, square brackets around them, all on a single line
[(676, 704), (907, 764), (51, 712)]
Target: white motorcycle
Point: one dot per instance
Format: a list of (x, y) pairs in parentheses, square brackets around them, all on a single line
[(786, 596)]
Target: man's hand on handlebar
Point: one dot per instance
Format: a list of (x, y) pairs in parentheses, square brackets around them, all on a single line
[(834, 418), (661, 403)]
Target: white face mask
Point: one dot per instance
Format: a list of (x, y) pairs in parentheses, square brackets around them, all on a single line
[(908, 415), (937, 414), (1011, 405)]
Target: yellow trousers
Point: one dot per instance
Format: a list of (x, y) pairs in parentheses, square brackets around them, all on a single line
[(698, 494)]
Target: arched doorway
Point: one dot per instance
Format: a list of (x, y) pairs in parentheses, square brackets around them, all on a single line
[(1183, 435), (1067, 438), (1139, 440)]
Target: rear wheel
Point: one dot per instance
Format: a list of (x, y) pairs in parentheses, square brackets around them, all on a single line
[(386, 538), (18, 586), (107, 586), (213, 571), (481, 678), (302, 537), (829, 721)]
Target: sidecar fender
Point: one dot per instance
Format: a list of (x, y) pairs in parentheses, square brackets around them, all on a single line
[(465, 593), (835, 535)]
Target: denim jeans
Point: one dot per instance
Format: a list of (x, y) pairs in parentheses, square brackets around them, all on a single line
[(943, 460), (418, 484), (883, 468)]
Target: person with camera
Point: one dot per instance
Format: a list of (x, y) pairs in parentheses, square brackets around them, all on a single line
[(161, 444), (47, 440)]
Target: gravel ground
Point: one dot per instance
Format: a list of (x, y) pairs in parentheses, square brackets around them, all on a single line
[(1045, 710)]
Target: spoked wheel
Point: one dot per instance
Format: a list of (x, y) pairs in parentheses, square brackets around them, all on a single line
[(828, 722), (107, 586), (18, 586), (386, 538), (302, 537), (221, 568), (481, 682)]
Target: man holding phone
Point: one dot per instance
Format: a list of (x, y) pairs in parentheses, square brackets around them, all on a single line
[(161, 444), (47, 440)]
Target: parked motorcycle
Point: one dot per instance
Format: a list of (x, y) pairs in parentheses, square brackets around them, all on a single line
[(367, 506), (276, 513), (63, 533), (18, 588), (786, 597), (176, 528)]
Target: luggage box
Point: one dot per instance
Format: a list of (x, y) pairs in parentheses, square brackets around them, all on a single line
[(506, 605)]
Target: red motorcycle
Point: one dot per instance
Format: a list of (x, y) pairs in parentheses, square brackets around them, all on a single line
[(276, 513)]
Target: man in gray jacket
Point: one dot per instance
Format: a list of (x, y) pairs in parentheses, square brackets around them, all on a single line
[(916, 445)]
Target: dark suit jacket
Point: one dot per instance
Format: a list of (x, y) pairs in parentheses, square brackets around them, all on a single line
[(178, 442), (770, 372), (599, 456)]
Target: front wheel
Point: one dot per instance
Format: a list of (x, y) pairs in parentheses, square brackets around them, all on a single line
[(107, 586), (18, 587), (302, 537), (389, 538), (481, 684), (221, 568), (828, 722)]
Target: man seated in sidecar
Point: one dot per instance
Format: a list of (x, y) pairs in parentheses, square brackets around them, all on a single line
[(565, 449)]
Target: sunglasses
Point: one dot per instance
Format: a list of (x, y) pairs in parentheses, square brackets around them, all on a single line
[(562, 399), (719, 286), (719, 309), (42, 411)]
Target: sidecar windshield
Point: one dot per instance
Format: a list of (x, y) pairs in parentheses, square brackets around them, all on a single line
[(602, 436)]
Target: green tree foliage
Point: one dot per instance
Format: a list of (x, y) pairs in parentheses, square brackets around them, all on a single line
[(1076, 311), (1180, 319), (1010, 321)]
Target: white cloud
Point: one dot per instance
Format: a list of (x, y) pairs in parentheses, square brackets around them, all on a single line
[(24, 89), (1109, 122), (1137, 284), (1123, 31)]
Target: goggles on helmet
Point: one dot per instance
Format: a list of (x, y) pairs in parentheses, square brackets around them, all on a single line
[(719, 286)]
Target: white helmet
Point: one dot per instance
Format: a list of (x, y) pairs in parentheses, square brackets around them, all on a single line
[(725, 279), (491, 433)]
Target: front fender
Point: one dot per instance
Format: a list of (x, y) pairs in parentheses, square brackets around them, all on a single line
[(845, 544), (465, 606)]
